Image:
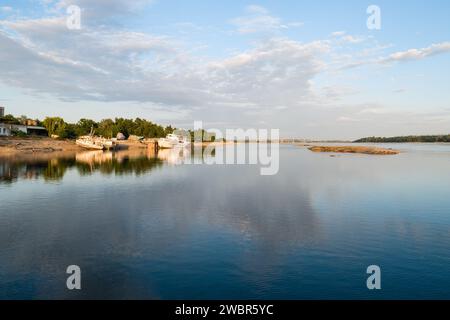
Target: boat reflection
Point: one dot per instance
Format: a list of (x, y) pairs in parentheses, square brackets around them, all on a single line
[(175, 156), (53, 167), (49, 169)]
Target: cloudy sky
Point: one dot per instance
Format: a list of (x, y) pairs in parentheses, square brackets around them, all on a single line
[(313, 69)]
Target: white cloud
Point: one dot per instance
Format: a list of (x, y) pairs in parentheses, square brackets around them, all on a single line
[(103, 64), (346, 119), (338, 33), (257, 9), (276, 73), (6, 9), (296, 24), (352, 39), (333, 93), (372, 57), (99, 11), (418, 54), (259, 20)]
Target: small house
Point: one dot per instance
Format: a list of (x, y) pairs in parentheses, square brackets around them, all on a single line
[(5, 130)]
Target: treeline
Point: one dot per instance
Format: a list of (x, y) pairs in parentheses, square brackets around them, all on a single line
[(403, 139), (107, 128), (10, 119)]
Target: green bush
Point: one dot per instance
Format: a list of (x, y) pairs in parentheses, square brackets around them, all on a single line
[(18, 133)]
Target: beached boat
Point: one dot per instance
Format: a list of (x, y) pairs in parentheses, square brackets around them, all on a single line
[(95, 143), (109, 143), (89, 142), (173, 141)]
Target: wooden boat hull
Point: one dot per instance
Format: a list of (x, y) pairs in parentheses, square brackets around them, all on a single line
[(90, 146)]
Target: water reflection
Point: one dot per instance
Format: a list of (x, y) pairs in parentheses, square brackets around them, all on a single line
[(12, 170), (54, 168), (224, 232), (120, 163)]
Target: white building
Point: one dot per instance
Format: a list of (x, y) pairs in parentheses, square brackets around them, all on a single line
[(28, 127), (5, 129)]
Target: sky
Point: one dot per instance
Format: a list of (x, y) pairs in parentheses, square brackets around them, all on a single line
[(313, 69)]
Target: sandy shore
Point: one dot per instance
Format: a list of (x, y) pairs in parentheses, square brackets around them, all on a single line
[(12, 145), (44, 145), (354, 149)]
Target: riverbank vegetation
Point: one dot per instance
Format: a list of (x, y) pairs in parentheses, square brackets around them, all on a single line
[(10, 119), (405, 139), (107, 128)]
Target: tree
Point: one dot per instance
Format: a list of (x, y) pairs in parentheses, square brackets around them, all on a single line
[(9, 119), (84, 126), (106, 128), (53, 124), (23, 119), (405, 139), (168, 130), (126, 126), (67, 131)]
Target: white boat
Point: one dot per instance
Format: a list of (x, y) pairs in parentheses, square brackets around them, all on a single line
[(109, 143), (173, 141), (89, 142), (95, 143)]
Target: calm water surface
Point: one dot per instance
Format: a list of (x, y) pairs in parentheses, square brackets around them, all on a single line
[(148, 227)]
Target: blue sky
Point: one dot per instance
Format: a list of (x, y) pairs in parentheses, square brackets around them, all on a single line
[(310, 68)]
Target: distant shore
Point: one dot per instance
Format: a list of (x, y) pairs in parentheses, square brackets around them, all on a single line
[(443, 138)]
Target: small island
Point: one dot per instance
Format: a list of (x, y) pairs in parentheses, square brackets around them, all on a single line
[(354, 149)]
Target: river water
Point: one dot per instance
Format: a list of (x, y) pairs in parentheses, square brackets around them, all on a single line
[(148, 226)]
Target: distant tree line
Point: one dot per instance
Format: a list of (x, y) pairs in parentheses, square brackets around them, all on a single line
[(106, 128), (403, 139), (10, 119)]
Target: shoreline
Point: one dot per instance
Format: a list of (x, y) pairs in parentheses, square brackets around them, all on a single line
[(12, 146), (33, 145)]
